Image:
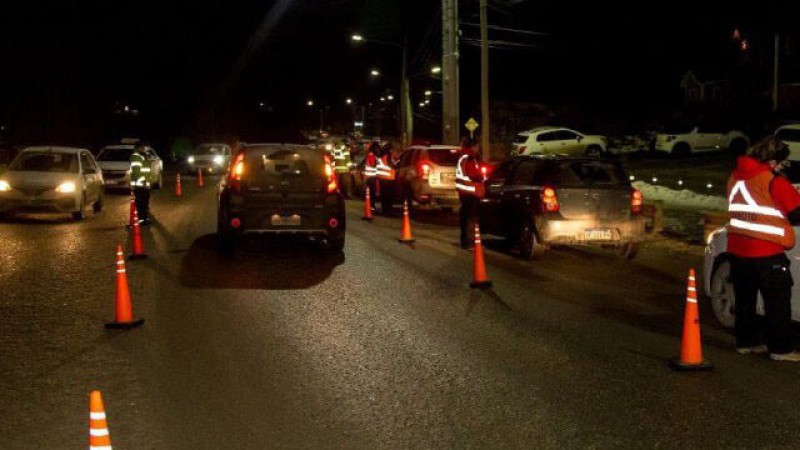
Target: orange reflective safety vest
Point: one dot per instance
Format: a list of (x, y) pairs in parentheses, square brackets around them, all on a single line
[(382, 168), (370, 169), (753, 211), (466, 184)]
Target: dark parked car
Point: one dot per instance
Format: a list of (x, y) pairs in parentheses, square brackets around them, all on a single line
[(538, 201), (280, 189)]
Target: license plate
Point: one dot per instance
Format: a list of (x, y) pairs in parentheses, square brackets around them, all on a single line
[(285, 221), (597, 235)]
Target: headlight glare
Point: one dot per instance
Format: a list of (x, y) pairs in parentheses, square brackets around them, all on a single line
[(4, 186), (218, 160), (190, 160), (66, 187)]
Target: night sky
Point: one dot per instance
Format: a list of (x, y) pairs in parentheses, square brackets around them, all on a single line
[(203, 69)]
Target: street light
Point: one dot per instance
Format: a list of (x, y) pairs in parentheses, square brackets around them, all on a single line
[(428, 93), (390, 97), (349, 101), (383, 99), (310, 103), (374, 72), (356, 37), (436, 70)]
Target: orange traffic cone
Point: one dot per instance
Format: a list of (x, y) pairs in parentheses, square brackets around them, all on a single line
[(405, 235), (691, 350), (367, 207), (132, 211), (124, 314), (178, 191), (137, 243), (99, 438), (479, 278), (200, 182)]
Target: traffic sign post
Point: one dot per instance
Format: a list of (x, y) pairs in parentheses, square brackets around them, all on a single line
[(472, 125)]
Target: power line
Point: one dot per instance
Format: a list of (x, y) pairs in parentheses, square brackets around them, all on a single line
[(511, 30)]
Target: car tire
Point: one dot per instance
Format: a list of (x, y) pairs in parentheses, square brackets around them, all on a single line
[(226, 243), (98, 205), (723, 299), (681, 150), (529, 245), (80, 214), (594, 151), (629, 250)]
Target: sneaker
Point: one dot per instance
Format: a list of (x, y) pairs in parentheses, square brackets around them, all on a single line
[(789, 357), (754, 350)]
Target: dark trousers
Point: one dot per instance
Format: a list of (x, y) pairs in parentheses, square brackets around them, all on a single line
[(771, 276), (141, 196), (373, 194), (468, 217)]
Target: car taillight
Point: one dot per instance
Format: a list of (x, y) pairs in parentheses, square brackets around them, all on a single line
[(424, 170), (522, 149), (329, 173), (549, 200), (236, 172), (636, 201)]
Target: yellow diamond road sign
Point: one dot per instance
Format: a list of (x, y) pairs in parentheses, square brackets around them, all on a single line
[(471, 124)]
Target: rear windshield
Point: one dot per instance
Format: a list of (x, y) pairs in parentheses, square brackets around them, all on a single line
[(115, 154), (45, 162), (789, 135), (277, 161), (444, 157), (207, 149), (591, 173)]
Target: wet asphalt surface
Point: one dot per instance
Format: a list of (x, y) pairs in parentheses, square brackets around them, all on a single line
[(384, 346)]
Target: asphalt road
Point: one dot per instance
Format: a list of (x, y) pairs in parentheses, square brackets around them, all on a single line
[(383, 347)]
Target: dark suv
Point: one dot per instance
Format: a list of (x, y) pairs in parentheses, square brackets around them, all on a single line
[(538, 201), (281, 189)]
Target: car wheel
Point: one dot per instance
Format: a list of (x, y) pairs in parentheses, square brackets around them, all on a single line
[(226, 243), (98, 205), (681, 150), (80, 214), (629, 250), (529, 245), (594, 151), (723, 299)]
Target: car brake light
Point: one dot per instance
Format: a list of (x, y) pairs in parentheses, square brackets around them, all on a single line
[(522, 149), (424, 170), (333, 223), (236, 223), (237, 171), (329, 173), (636, 201), (549, 200)]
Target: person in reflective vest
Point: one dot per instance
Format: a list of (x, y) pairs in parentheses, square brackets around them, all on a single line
[(342, 162), (763, 206), (469, 184), (140, 182), (371, 171)]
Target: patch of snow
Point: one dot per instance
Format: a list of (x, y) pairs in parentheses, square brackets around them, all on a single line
[(681, 199)]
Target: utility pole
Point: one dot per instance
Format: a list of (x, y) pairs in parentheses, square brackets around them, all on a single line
[(485, 128), (450, 73), (775, 72), (406, 111)]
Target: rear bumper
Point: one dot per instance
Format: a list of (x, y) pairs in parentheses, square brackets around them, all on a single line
[(322, 220), (424, 194), (574, 232)]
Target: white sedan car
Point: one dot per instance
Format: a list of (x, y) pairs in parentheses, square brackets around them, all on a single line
[(52, 179), (684, 141), (559, 141)]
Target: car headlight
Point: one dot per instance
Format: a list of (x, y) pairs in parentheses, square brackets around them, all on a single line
[(66, 187), (218, 160), (4, 186), (190, 160)]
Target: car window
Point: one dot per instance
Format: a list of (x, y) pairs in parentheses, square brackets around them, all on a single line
[(276, 161), (209, 149), (500, 174), (591, 173), (444, 157), (404, 158), (88, 163), (45, 162), (566, 135), (115, 154), (788, 134), (546, 137), (523, 175)]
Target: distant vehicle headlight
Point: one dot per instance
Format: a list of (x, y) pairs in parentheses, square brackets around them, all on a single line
[(4, 186), (66, 187), (190, 160), (218, 160)]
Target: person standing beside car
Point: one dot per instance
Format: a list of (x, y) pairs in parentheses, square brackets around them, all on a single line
[(469, 184), (141, 178), (763, 206)]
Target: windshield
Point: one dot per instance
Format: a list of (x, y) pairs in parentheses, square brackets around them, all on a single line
[(789, 135), (45, 162), (591, 173), (115, 154), (444, 157), (208, 149)]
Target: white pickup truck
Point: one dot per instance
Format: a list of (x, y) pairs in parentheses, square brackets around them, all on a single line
[(684, 142)]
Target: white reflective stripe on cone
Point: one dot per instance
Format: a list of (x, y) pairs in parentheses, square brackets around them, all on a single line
[(100, 447), (98, 432), (692, 289), (756, 209), (97, 415), (691, 300), (768, 229)]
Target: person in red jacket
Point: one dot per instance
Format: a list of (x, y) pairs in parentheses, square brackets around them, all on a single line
[(763, 206)]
